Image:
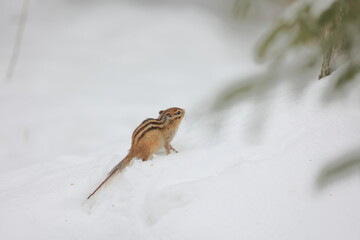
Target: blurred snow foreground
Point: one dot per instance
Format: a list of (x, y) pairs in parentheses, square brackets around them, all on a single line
[(90, 73)]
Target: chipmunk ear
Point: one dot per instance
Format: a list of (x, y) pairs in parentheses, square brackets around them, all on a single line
[(161, 112)]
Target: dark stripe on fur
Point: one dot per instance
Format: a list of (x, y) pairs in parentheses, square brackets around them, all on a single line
[(148, 122), (145, 124), (148, 130)]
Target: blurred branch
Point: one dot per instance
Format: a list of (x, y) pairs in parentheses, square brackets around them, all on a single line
[(241, 7), (18, 40), (333, 33), (330, 35), (254, 86), (342, 167)]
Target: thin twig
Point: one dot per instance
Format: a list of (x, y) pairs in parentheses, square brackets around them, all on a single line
[(18, 41)]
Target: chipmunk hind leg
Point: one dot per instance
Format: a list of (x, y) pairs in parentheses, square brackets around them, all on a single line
[(148, 152), (149, 146)]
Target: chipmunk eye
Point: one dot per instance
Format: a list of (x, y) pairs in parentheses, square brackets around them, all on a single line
[(178, 112)]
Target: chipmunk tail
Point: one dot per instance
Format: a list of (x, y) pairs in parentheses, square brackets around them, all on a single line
[(117, 169)]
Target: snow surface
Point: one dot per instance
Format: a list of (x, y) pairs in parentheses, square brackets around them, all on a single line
[(90, 73)]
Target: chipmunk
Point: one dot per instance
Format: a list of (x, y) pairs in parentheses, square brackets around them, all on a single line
[(148, 138)]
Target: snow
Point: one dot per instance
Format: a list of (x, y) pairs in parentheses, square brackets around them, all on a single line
[(90, 73)]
